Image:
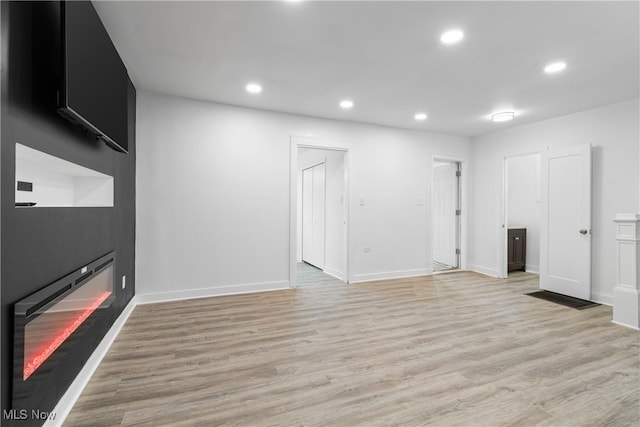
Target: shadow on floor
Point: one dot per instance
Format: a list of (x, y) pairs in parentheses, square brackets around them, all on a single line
[(308, 275)]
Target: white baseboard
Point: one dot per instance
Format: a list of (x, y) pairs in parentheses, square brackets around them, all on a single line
[(335, 273), (602, 299), (69, 398), (534, 269), (153, 297), (484, 270), (389, 275), (625, 325), (626, 306)]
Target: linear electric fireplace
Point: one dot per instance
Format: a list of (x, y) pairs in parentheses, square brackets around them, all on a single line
[(50, 324)]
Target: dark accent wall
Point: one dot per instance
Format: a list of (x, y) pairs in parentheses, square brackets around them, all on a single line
[(40, 245)]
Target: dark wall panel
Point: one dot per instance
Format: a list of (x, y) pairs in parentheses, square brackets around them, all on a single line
[(40, 245)]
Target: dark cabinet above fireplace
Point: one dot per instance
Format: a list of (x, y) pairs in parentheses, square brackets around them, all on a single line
[(94, 83)]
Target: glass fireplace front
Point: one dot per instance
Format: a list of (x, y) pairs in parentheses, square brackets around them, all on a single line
[(49, 322)]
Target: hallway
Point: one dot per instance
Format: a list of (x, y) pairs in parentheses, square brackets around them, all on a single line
[(308, 275)]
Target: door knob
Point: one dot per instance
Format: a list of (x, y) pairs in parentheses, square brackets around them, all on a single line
[(583, 231)]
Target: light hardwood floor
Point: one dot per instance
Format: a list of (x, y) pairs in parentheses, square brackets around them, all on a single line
[(308, 275), (456, 349)]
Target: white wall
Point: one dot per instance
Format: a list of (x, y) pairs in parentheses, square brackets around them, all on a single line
[(523, 203), (612, 131), (335, 230), (213, 196), (391, 191)]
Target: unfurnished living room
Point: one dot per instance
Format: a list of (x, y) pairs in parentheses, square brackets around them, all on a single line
[(320, 213)]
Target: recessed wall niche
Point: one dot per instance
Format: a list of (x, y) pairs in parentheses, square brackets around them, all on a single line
[(43, 180)]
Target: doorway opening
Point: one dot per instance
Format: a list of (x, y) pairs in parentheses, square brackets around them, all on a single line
[(313, 215), (521, 233), (319, 244), (522, 201), (558, 242), (446, 211)]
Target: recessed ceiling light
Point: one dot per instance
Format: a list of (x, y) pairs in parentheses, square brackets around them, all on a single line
[(555, 67), (452, 36), (346, 104), (254, 88), (420, 116), (503, 116)]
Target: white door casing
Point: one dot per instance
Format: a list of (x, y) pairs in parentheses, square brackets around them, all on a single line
[(298, 142), (565, 232), (445, 204), (319, 214)]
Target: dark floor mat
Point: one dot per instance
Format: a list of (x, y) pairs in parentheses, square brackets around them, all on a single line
[(577, 303)]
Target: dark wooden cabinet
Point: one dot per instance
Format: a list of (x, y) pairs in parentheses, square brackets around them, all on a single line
[(517, 251)]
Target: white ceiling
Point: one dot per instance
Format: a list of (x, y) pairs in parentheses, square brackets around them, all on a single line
[(386, 56)]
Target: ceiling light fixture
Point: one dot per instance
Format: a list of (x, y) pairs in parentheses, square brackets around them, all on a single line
[(503, 116), (451, 37), (420, 116), (254, 88), (346, 104), (555, 67)]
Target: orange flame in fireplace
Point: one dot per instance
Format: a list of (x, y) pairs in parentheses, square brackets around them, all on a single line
[(34, 363)]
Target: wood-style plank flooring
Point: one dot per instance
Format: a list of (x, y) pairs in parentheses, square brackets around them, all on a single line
[(308, 275), (458, 349)]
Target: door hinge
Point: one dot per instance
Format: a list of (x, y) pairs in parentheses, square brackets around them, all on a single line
[(458, 173), (457, 251), (458, 212)]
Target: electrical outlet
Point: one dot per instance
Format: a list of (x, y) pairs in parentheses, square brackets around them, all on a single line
[(124, 282), (25, 186), (366, 249)]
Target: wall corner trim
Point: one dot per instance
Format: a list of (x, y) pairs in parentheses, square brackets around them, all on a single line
[(492, 272)]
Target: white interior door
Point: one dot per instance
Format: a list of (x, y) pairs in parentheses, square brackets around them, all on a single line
[(307, 213), (565, 235), (444, 206), (313, 215)]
